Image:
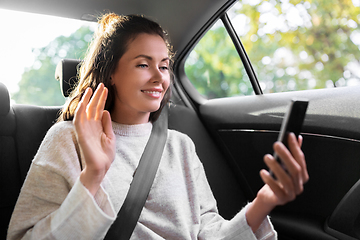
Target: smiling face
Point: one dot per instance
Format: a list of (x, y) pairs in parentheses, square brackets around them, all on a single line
[(141, 79)]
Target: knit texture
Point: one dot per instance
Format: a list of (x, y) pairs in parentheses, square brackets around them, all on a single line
[(53, 203)]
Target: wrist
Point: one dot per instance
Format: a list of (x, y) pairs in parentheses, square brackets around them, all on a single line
[(257, 212), (91, 181), (263, 206)]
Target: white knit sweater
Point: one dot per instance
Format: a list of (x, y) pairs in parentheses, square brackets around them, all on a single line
[(53, 204)]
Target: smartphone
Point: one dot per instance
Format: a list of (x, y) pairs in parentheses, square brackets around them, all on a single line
[(292, 122)]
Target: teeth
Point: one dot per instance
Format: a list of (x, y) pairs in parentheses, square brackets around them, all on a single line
[(152, 92)]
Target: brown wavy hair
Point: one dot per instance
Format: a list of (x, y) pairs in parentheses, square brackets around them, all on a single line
[(110, 42)]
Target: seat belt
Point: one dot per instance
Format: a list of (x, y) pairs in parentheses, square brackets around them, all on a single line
[(126, 220)]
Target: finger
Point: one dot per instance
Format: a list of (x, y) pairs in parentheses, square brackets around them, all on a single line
[(101, 104), (300, 140), (107, 125), (92, 106), (274, 186), (80, 112), (282, 177), (297, 153), (292, 166)]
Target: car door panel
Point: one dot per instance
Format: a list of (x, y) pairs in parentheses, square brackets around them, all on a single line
[(245, 128), (344, 221)]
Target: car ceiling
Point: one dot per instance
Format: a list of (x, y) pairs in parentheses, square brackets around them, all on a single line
[(181, 18)]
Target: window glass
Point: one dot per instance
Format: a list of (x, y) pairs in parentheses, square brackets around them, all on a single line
[(296, 44), (31, 47), (214, 66)]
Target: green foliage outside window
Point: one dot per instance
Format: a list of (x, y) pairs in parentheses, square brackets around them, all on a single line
[(214, 67), (38, 85), (293, 45), (317, 47)]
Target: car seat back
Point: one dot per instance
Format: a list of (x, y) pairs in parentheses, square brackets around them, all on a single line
[(10, 180), (22, 128)]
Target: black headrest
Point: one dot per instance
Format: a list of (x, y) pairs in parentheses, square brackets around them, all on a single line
[(66, 74), (4, 100)]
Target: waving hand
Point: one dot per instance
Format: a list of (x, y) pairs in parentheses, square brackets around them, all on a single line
[(96, 137)]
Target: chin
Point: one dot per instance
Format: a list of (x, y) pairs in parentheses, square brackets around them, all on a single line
[(153, 109)]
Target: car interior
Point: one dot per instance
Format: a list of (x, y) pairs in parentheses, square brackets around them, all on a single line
[(231, 135)]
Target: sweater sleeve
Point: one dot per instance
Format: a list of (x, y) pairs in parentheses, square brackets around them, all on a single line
[(53, 203), (213, 226)]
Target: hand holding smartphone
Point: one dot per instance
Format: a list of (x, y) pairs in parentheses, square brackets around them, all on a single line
[(292, 122)]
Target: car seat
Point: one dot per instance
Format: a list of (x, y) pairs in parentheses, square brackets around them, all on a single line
[(22, 128), (10, 179)]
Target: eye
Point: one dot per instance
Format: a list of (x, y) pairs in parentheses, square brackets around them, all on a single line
[(164, 68), (142, 66)]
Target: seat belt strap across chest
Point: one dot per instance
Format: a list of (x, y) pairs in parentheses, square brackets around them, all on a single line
[(130, 211)]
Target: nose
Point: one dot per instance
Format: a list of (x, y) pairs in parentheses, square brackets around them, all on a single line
[(158, 76)]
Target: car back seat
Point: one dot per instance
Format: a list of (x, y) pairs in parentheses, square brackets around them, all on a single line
[(22, 128), (9, 168)]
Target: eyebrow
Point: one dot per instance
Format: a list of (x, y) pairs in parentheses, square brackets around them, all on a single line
[(150, 58)]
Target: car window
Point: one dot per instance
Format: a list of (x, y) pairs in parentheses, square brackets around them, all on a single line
[(292, 45), (208, 66), (31, 47)]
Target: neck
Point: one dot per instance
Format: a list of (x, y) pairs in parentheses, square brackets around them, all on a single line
[(130, 118)]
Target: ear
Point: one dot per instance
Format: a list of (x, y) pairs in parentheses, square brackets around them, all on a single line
[(111, 81)]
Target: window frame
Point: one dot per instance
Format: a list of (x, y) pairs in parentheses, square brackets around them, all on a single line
[(242, 54), (186, 90)]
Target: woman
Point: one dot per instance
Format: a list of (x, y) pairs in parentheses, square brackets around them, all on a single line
[(81, 174)]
